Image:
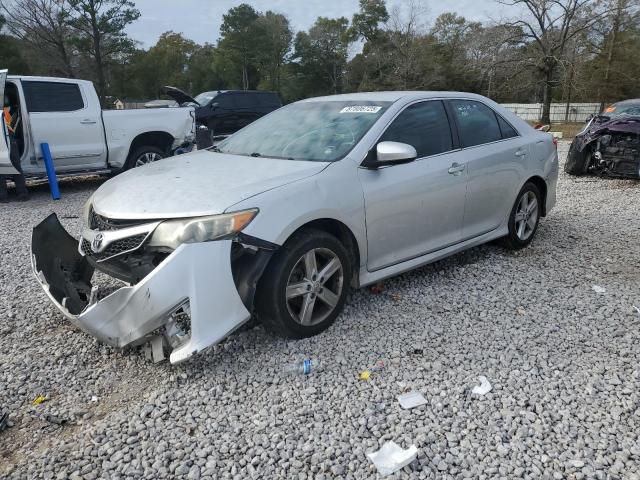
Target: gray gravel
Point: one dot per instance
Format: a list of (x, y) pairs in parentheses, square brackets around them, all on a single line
[(562, 359)]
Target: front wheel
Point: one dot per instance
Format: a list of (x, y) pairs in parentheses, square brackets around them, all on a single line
[(305, 285), (524, 217)]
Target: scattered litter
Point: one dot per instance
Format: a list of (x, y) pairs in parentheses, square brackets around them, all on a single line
[(4, 420), (637, 309), (599, 289), (391, 458), (411, 400), (521, 311), (55, 419), (38, 400), (418, 351), (304, 367), (484, 387), (94, 399), (366, 374), (396, 297), (377, 288)]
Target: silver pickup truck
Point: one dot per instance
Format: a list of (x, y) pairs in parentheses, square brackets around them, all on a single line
[(83, 138)]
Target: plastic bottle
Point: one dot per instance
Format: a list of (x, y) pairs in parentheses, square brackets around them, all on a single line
[(305, 367)]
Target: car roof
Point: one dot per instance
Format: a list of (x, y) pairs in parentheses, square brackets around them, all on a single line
[(393, 96), (46, 79), (628, 102)]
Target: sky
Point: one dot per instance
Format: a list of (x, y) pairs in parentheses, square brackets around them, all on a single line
[(200, 20)]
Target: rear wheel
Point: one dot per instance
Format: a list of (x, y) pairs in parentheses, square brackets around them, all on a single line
[(305, 286), (524, 217), (145, 155)]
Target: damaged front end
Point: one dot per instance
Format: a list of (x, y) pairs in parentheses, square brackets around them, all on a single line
[(121, 288), (607, 147)]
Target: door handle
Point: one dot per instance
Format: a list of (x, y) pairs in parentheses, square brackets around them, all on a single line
[(88, 121), (456, 169), (520, 153)]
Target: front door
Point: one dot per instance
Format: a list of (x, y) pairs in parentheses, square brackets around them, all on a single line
[(416, 208), (61, 115), (5, 146)]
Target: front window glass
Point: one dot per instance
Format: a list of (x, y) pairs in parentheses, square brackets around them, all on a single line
[(205, 97), (424, 126), (323, 131)]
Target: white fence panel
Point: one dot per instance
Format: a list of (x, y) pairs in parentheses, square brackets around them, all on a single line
[(578, 112)]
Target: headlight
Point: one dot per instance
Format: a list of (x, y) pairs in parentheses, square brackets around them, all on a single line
[(86, 210), (174, 233)]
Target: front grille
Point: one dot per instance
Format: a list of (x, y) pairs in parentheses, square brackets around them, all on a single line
[(114, 248), (98, 222)]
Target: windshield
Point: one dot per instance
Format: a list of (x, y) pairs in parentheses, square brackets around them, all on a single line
[(623, 109), (322, 131), (205, 97)]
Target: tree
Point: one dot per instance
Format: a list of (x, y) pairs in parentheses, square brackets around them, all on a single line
[(98, 27), (551, 25), (367, 23), (322, 54), (274, 45), (43, 26), (10, 55), (239, 40)]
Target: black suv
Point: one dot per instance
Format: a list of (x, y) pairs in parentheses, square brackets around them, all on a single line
[(227, 111)]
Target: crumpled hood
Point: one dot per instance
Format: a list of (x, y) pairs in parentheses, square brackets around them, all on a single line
[(624, 125), (195, 184)]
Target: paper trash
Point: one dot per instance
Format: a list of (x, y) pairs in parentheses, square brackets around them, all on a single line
[(483, 388), (391, 458), (599, 289), (411, 400)]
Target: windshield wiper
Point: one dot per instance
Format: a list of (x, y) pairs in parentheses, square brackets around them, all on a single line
[(214, 148), (256, 154)]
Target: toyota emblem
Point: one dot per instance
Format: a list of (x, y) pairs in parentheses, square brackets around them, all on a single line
[(97, 242)]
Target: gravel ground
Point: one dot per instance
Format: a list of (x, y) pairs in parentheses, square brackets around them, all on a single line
[(562, 359)]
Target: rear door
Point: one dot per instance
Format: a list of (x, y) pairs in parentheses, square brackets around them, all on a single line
[(494, 153), (226, 115), (69, 119), (5, 160)]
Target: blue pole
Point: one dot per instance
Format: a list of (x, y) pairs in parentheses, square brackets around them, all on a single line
[(51, 171)]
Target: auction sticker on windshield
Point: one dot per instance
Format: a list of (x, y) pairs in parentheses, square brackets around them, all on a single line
[(361, 109)]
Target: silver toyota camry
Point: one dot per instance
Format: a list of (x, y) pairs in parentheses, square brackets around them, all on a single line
[(283, 218)]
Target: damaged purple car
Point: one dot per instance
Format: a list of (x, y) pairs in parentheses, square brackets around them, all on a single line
[(610, 143)]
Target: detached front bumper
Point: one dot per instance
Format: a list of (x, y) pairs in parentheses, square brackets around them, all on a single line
[(197, 274)]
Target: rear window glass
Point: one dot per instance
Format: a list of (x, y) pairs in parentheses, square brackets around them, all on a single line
[(52, 96), (245, 100), (225, 100), (269, 100), (477, 123)]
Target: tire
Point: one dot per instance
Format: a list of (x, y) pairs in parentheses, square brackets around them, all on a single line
[(289, 271), (577, 162), (519, 236), (137, 157)]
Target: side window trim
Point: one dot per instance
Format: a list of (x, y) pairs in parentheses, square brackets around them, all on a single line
[(453, 133)]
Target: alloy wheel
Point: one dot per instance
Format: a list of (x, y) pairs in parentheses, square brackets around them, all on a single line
[(314, 286), (526, 215), (148, 157)]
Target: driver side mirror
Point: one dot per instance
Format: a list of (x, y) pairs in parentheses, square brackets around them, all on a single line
[(214, 105), (389, 153), (589, 118)]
